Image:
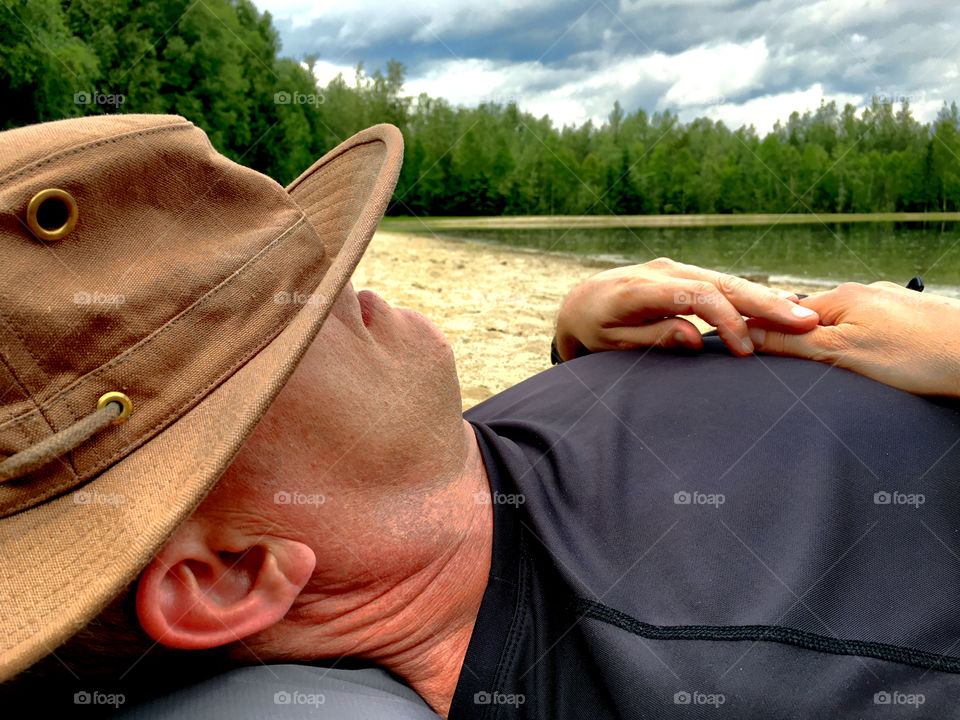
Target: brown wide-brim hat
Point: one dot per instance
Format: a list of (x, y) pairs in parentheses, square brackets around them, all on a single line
[(143, 271)]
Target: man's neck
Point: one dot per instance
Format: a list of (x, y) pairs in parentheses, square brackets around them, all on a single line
[(400, 582)]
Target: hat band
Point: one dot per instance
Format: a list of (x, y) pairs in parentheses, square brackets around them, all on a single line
[(51, 448)]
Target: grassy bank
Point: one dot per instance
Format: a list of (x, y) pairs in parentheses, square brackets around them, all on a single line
[(547, 222)]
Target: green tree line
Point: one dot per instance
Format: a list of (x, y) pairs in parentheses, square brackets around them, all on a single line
[(218, 63)]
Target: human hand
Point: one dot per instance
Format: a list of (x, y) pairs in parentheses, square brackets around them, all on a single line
[(897, 336), (636, 306)]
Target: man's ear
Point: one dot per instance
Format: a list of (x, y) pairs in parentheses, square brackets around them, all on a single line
[(195, 595)]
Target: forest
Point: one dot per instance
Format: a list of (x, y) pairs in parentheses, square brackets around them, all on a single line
[(220, 64)]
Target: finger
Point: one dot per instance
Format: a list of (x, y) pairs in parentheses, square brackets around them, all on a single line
[(787, 295), (669, 333), (710, 305), (758, 301), (755, 300), (822, 343), (639, 303)]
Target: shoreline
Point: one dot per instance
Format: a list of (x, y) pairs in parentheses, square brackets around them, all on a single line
[(497, 306), (406, 223)]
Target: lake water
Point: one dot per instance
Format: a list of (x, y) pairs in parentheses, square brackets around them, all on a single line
[(812, 254)]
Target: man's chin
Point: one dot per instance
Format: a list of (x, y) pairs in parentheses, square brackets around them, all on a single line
[(431, 331)]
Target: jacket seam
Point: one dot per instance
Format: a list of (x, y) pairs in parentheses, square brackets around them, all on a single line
[(509, 656), (770, 633)]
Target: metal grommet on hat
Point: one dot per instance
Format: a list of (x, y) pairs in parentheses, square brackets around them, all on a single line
[(126, 405), (52, 214), (53, 446)]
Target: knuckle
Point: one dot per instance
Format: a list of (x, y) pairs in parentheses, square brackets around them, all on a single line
[(731, 284), (776, 343), (702, 290), (851, 288), (711, 300), (628, 289), (660, 263)]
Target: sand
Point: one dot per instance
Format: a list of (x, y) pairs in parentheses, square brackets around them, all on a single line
[(497, 306)]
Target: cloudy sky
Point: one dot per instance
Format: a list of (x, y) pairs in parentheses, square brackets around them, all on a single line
[(741, 61)]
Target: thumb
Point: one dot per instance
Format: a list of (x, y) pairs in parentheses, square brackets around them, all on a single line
[(669, 333), (821, 343)]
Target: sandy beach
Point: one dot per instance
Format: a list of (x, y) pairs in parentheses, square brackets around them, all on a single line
[(497, 306)]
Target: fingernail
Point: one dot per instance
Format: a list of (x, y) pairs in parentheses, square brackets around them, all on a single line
[(758, 335), (747, 345), (801, 311), (786, 294)]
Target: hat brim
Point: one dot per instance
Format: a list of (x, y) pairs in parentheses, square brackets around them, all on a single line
[(82, 555)]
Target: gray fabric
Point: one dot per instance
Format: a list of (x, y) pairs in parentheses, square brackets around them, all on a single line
[(290, 692), (694, 535)]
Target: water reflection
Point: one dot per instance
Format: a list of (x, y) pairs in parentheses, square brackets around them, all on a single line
[(813, 254)]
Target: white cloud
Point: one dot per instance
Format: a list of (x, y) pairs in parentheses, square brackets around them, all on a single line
[(700, 77), (471, 82), (707, 74), (468, 82), (763, 112), (324, 72), (926, 109), (585, 96)]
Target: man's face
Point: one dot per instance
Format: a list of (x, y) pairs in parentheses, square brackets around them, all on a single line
[(347, 488)]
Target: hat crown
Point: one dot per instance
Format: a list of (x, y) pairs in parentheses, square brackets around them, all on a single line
[(23, 147), (173, 276)]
